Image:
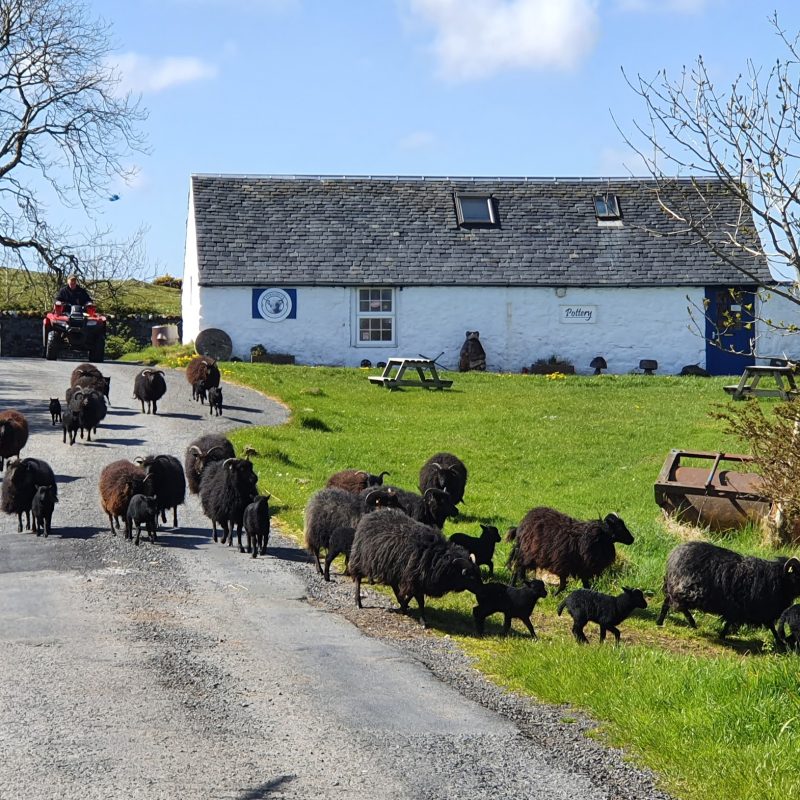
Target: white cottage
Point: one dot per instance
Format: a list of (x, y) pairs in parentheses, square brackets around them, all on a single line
[(335, 270)]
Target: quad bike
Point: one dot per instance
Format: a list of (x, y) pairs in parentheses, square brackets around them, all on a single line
[(74, 329)]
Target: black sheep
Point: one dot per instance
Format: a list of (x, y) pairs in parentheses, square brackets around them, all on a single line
[(340, 543), (169, 483), (228, 487), (256, 525), (215, 401), (742, 590), (547, 539), (432, 508), (444, 471), (20, 482), (88, 376), (791, 618), (354, 480), (149, 387), (334, 508), (55, 410), (90, 408), (414, 559), (13, 434), (511, 602), (202, 452), (480, 547), (607, 611), (142, 510), (42, 507)]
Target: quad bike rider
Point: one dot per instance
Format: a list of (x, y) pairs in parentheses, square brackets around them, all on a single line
[(74, 324)]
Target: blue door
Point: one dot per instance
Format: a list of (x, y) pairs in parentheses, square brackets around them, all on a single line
[(730, 315)]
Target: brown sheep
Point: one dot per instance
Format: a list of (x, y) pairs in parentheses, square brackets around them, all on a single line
[(354, 480), (119, 482), (13, 434), (547, 539), (202, 373)]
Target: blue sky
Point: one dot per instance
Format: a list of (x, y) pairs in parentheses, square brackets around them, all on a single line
[(409, 87)]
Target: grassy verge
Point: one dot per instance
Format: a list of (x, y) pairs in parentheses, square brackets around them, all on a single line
[(714, 721)]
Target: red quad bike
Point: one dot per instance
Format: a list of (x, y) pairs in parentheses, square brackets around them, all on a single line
[(74, 329)]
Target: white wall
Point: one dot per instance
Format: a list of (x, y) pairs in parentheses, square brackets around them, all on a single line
[(517, 325), (190, 295), (771, 343)]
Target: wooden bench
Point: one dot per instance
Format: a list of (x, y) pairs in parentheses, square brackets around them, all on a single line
[(393, 375), (747, 386)]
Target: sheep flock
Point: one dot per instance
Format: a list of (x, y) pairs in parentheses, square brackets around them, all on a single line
[(385, 534)]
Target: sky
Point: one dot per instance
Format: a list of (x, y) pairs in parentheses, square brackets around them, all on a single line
[(400, 87)]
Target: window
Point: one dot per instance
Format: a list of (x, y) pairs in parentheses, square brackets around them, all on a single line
[(475, 210), (606, 206), (375, 317)]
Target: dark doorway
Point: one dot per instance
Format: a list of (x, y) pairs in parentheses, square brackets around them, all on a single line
[(730, 329)]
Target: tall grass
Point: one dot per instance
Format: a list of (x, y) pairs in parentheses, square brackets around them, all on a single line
[(714, 720)]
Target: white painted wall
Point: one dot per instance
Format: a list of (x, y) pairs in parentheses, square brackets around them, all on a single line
[(190, 294), (517, 325), (772, 343)]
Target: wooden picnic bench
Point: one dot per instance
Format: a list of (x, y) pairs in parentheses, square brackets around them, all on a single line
[(394, 372), (748, 383)]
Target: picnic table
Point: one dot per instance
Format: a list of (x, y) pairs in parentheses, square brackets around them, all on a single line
[(394, 373), (748, 383)]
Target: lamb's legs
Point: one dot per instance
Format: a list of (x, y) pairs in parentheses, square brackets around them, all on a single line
[(358, 592), (529, 626), (616, 633), (562, 584), (577, 630), (664, 611)]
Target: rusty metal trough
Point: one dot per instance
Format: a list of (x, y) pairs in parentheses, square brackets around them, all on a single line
[(720, 499)]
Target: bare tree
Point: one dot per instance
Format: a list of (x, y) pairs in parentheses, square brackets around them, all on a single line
[(745, 138), (63, 127)]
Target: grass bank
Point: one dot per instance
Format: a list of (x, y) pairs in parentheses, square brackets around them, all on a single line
[(715, 721)]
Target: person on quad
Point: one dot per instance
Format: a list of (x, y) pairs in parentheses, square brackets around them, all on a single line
[(72, 294)]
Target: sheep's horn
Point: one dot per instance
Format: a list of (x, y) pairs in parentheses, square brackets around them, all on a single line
[(792, 564), (368, 498), (138, 460), (436, 464), (432, 489), (362, 472), (195, 449), (380, 477), (209, 452), (226, 462), (147, 372), (159, 371)]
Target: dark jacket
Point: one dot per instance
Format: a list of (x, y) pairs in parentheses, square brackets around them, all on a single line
[(74, 297)]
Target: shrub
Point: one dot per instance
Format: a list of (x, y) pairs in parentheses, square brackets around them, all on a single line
[(117, 346), (168, 280)]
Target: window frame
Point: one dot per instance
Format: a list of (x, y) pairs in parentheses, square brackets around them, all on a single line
[(359, 315), (491, 206), (604, 197)]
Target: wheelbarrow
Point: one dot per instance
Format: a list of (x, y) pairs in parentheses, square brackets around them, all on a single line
[(713, 496)]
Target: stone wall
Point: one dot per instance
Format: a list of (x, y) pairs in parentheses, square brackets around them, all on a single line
[(21, 336)]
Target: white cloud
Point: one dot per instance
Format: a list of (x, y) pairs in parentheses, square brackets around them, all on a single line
[(476, 38), (148, 74), (619, 162), (417, 140)]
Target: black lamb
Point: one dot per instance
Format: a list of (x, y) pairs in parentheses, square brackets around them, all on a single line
[(55, 410), (340, 543), (742, 590), (510, 601), (414, 559), (149, 387), (42, 507), (607, 611), (334, 508), (20, 482), (444, 471), (215, 401), (142, 510), (481, 548), (256, 525), (169, 483), (354, 480), (228, 487), (70, 424), (202, 452), (431, 508), (791, 619), (547, 539)]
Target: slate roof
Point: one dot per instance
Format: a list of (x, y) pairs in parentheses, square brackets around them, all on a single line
[(343, 231)]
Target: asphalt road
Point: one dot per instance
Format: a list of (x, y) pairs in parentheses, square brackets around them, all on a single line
[(186, 670)]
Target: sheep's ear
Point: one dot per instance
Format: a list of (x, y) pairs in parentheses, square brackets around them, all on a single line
[(267, 496), (627, 589)]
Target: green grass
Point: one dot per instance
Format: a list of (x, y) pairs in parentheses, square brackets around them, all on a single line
[(31, 293), (715, 721)]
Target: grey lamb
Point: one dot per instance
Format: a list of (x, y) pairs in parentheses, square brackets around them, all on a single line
[(607, 611)]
